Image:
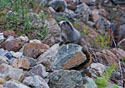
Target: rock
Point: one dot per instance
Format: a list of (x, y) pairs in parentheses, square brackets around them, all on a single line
[(119, 2), (3, 59), (89, 2), (121, 44), (97, 69), (1, 86), (16, 54), (100, 24), (111, 85), (8, 72), (119, 52), (47, 57), (38, 70), (2, 81), (30, 60), (1, 38), (68, 56), (12, 45), (9, 55), (89, 83), (3, 52), (10, 38), (34, 49), (14, 84), (35, 41), (53, 32), (120, 33), (9, 33), (95, 15), (58, 5), (22, 39), (21, 63), (65, 79), (107, 57), (83, 11), (35, 82)]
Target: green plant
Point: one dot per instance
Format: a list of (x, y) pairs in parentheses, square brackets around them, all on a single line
[(103, 40), (102, 82), (44, 29), (16, 14), (60, 18), (85, 31)]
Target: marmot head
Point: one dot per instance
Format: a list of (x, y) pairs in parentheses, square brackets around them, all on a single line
[(66, 26)]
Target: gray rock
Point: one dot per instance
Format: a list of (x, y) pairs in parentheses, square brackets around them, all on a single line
[(22, 39), (32, 61), (16, 54), (89, 83), (121, 44), (14, 84), (97, 69), (1, 37), (68, 56), (10, 38), (35, 82), (3, 52), (47, 57), (120, 2), (8, 72), (83, 11), (38, 70), (58, 5), (65, 79), (3, 59)]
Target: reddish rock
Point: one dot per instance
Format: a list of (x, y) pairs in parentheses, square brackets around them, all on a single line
[(119, 52), (34, 49), (95, 15), (73, 61), (12, 45), (9, 33), (21, 63), (108, 58)]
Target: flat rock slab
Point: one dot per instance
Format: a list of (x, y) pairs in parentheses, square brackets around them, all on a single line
[(68, 56)]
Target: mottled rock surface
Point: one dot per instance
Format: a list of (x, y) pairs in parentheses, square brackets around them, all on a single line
[(65, 79), (68, 56)]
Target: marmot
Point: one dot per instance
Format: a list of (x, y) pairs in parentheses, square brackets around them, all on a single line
[(70, 35)]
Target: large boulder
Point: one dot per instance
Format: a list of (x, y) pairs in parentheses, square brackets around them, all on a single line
[(34, 49), (65, 79), (58, 5), (68, 56)]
